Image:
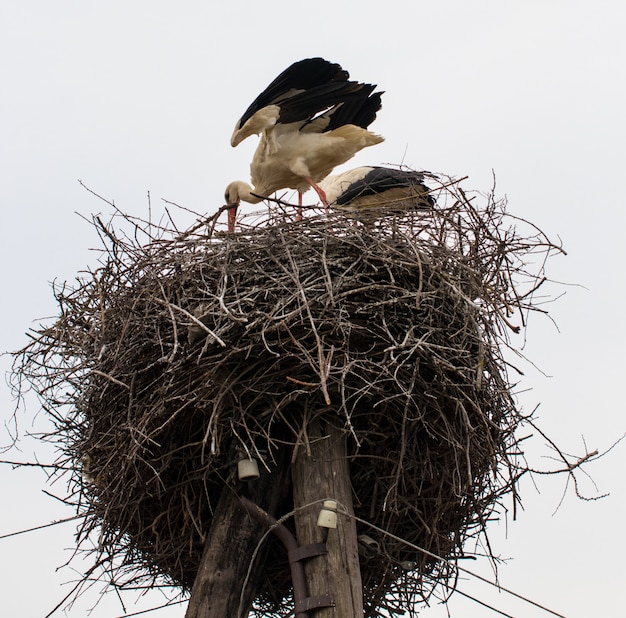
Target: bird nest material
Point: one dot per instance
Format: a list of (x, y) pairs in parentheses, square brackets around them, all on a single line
[(177, 351)]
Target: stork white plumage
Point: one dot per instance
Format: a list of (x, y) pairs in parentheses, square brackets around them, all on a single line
[(311, 118), (372, 187)]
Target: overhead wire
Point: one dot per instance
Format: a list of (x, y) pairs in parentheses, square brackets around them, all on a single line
[(456, 566), (483, 603), (390, 535)]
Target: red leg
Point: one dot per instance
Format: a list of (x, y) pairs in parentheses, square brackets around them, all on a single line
[(320, 192)]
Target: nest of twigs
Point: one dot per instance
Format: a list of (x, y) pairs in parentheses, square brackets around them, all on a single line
[(182, 347)]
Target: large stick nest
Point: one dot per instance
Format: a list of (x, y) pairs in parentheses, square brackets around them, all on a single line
[(179, 350)]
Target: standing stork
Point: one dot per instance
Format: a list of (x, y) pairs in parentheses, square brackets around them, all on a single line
[(372, 187), (310, 119)]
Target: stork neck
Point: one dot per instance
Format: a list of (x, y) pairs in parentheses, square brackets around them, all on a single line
[(246, 191)]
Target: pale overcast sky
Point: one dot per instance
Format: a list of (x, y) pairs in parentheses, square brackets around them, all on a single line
[(141, 96)]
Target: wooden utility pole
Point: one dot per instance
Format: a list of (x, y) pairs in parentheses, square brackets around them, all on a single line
[(318, 473), (218, 585), (218, 590)]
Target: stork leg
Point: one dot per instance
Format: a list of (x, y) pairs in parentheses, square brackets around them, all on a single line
[(232, 217), (320, 192)]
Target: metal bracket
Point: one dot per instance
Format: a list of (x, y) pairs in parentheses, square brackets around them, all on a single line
[(309, 603), (303, 604), (307, 551)]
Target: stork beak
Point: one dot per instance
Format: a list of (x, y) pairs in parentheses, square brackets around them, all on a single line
[(232, 216)]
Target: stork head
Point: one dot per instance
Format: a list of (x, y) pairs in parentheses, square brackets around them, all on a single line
[(232, 194), (238, 191)]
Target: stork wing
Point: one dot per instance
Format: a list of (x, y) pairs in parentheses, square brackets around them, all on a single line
[(301, 76), (381, 179), (358, 107)]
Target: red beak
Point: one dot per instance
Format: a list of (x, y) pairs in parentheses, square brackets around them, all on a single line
[(232, 217)]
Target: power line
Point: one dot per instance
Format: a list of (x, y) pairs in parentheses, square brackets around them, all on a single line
[(459, 568), (491, 607), (382, 531)]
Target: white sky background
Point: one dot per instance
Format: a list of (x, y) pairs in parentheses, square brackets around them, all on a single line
[(141, 96)]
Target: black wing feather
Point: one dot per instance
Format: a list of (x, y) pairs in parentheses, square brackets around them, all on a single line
[(358, 108), (381, 179), (307, 74), (305, 106)]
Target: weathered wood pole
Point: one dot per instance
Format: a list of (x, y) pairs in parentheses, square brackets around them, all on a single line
[(218, 585), (218, 591), (323, 473)]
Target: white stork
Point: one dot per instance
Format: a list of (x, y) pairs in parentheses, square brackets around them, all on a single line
[(371, 187), (311, 118)]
